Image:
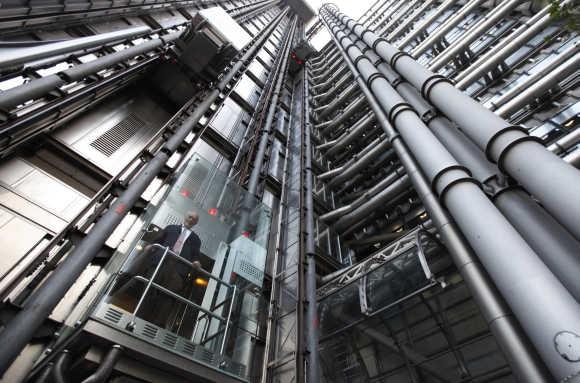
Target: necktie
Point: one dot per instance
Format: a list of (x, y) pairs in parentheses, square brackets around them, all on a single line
[(180, 241)]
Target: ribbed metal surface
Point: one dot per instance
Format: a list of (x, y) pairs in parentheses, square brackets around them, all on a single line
[(114, 138)]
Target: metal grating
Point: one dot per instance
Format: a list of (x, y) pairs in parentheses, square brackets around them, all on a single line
[(111, 140), (250, 272), (204, 355), (113, 315), (188, 348), (170, 340), (172, 219), (149, 331)]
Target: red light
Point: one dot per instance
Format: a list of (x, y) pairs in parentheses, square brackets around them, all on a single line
[(299, 62), (293, 55), (246, 234), (213, 211), (185, 192)]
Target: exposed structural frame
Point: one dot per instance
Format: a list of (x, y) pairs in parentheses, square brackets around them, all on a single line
[(22, 327), (461, 194)]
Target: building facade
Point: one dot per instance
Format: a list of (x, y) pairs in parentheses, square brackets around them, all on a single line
[(191, 192)]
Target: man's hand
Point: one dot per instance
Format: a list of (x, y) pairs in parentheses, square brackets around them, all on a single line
[(196, 265)]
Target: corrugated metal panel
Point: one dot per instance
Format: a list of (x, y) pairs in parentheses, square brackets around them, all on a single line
[(117, 136)]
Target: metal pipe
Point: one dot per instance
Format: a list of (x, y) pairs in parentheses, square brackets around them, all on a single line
[(325, 68), (331, 83), (14, 57), (475, 32), (404, 18), (45, 375), (396, 18), (329, 108), (280, 237), (565, 143), (505, 48), (349, 110), (60, 366), (385, 17), (398, 31), (385, 198), (371, 19), (329, 174), (555, 246), (331, 69), (313, 372), (272, 108), (336, 213), (510, 338), (573, 158), (442, 30), (18, 332), (384, 237), (516, 153), (444, 6), (326, 145), (537, 84), (352, 134), (378, 148), (482, 224), (42, 86), (106, 367), (383, 14)]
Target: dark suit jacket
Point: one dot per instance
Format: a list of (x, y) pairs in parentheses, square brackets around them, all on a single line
[(169, 235)]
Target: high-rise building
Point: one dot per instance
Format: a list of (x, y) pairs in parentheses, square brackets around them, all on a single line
[(190, 192)]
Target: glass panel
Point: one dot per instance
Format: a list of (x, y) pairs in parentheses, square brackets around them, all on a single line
[(373, 292), (192, 281)]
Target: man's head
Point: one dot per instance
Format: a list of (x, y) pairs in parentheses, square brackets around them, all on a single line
[(190, 219)]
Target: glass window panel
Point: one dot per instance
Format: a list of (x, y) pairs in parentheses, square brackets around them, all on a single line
[(191, 281)]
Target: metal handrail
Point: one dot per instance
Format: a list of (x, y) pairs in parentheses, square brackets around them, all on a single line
[(151, 284)]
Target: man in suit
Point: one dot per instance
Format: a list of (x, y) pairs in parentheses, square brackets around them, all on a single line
[(174, 274), (182, 240)]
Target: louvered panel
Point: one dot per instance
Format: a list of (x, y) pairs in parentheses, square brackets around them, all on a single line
[(118, 135)]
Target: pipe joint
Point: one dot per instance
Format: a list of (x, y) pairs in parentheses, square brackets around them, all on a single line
[(374, 77), (354, 25), (397, 109), (351, 45), (430, 83), (359, 58), (396, 56), (503, 141), (429, 115), (450, 176), (497, 184)]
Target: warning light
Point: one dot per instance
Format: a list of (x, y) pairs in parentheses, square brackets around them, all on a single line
[(200, 281), (213, 211), (246, 234), (185, 192)]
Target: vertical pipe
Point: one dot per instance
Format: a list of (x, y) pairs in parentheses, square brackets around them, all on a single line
[(517, 349), (542, 304), (516, 153), (272, 108), (18, 332), (106, 367), (445, 27), (555, 245), (505, 48), (312, 308)]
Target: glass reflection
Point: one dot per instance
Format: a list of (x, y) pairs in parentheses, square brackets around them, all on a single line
[(191, 282)]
